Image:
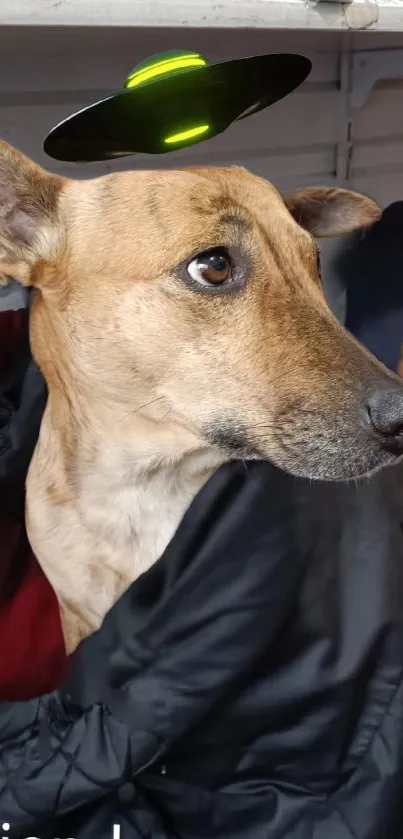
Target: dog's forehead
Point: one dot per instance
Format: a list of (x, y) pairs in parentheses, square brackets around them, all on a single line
[(190, 196), (148, 221)]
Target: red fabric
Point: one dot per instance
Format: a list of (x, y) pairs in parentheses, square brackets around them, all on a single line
[(32, 655), (10, 333)]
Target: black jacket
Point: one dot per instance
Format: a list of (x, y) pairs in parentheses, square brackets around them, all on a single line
[(371, 271), (22, 402), (249, 686)]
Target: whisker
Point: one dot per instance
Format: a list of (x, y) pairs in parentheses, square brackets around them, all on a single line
[(265, 425), (140, 408)]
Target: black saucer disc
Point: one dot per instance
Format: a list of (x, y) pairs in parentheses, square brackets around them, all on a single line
[(139, 120)]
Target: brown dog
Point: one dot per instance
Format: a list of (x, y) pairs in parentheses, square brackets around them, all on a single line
[(179, 322)]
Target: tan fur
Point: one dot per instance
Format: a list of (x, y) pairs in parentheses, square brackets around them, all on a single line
[(148, 377)]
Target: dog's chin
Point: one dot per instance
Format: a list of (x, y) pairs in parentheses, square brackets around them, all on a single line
[(331, 460), (323, 457), (348, 466)]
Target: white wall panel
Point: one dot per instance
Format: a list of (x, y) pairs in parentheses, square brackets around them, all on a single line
[(373, 15), (377, 143)]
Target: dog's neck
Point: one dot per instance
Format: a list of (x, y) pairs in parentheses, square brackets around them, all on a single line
[(108, 489), (138, 469), (136, 481)]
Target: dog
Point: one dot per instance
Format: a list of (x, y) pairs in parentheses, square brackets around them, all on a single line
[(179, 321)]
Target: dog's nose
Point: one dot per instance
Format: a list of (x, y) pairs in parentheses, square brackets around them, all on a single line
[(385, 409)]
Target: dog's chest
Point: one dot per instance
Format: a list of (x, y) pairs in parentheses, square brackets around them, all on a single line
[(93, 543), (136, 515), (136, 520)]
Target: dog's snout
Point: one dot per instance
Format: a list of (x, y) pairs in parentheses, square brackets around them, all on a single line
[(385, 409)]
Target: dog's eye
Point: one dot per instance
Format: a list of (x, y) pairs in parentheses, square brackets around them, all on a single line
[(212, 268)]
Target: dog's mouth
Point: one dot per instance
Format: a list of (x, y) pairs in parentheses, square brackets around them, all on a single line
[(336, 462), (313, 444), (233, 439)]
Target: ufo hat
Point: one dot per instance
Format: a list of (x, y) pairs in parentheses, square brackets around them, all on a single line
[(174, 100)]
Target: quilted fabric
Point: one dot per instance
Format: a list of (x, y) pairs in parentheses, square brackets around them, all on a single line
[(249, 686)]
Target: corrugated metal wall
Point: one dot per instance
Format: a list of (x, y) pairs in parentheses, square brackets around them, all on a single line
[(312, 136), (377, 135)]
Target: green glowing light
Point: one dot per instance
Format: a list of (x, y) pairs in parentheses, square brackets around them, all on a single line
[(160, 68), (182, 136)]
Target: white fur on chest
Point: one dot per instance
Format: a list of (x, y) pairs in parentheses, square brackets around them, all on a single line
[(118, 523), (138, 516)]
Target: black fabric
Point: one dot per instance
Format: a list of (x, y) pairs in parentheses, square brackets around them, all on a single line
[(20, 417), (371, 269), (22, 402), (250, 685)]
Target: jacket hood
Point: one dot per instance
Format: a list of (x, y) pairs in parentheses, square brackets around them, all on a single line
[(249, 685)]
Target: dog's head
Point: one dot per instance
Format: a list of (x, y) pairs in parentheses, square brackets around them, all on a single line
[(197, 294)]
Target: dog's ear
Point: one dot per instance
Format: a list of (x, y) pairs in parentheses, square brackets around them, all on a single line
[(29, 228), (332, 212)]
